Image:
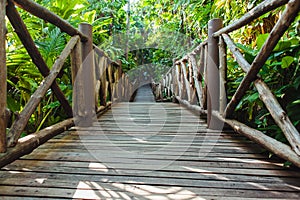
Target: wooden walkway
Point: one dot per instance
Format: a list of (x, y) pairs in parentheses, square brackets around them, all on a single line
[(146, 150)]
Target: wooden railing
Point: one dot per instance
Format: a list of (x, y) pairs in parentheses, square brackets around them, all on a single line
[(94, 75), (203, 87)]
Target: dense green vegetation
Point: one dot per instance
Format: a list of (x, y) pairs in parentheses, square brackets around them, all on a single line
[(159, 31)]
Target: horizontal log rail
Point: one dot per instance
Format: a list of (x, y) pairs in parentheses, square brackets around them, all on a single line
[(43, 13), (281, 26), (90, 67), (191, 76), (37, 59), (261, 9), (186, 82)]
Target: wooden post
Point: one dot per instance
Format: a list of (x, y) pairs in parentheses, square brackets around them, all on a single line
[(204, 98), (103, 80), (197, 78), (223, 74), (3, 74), (213, 77), (110, 81), (119, 82), (87, 77), (185, 81), (76, 61)]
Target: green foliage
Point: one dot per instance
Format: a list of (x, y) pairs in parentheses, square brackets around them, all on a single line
[(158, 32), (24, 77), (281, 73)]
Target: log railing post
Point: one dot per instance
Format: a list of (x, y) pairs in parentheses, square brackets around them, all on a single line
[(87, 78), (223, 74), (76, 61), (3, 74), (205, 60), (213, 77)]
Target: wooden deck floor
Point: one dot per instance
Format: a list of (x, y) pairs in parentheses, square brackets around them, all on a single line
[(147, 151)]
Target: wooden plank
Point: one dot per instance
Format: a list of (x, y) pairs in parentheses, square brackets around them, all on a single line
[(93, 190), (151, 178), (3, 76), (67, 168), (206, 166), (192, 173), (204, 162)]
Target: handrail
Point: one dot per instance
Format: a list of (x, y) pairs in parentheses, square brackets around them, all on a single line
[(187, 75), (20, 123), (108, 81), (34, 53), (43, 13), (261, 9)]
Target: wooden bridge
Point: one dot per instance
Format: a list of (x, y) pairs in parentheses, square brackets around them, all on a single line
[(113, 148)]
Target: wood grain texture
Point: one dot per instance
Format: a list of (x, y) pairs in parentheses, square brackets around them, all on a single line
[(277, 32), (41, 12), (3, 75), (139, 161), (20, 123), (257, 11), (269, 99), (22, 32)]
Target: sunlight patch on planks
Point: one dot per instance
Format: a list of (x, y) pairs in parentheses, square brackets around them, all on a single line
[(215, 165)]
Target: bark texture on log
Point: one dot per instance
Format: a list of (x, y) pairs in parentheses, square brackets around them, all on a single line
[(43, 13), (256, 12), (37, 59), (20, 123), (279, 29), (280, 149), (3, 75), (269, 99)]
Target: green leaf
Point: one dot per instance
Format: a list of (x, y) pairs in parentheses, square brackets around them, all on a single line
[(296, 102), (12, 104), (287, 61), (253, 97), (261, 40), (296, 83), (282, 45), (51, 106)]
